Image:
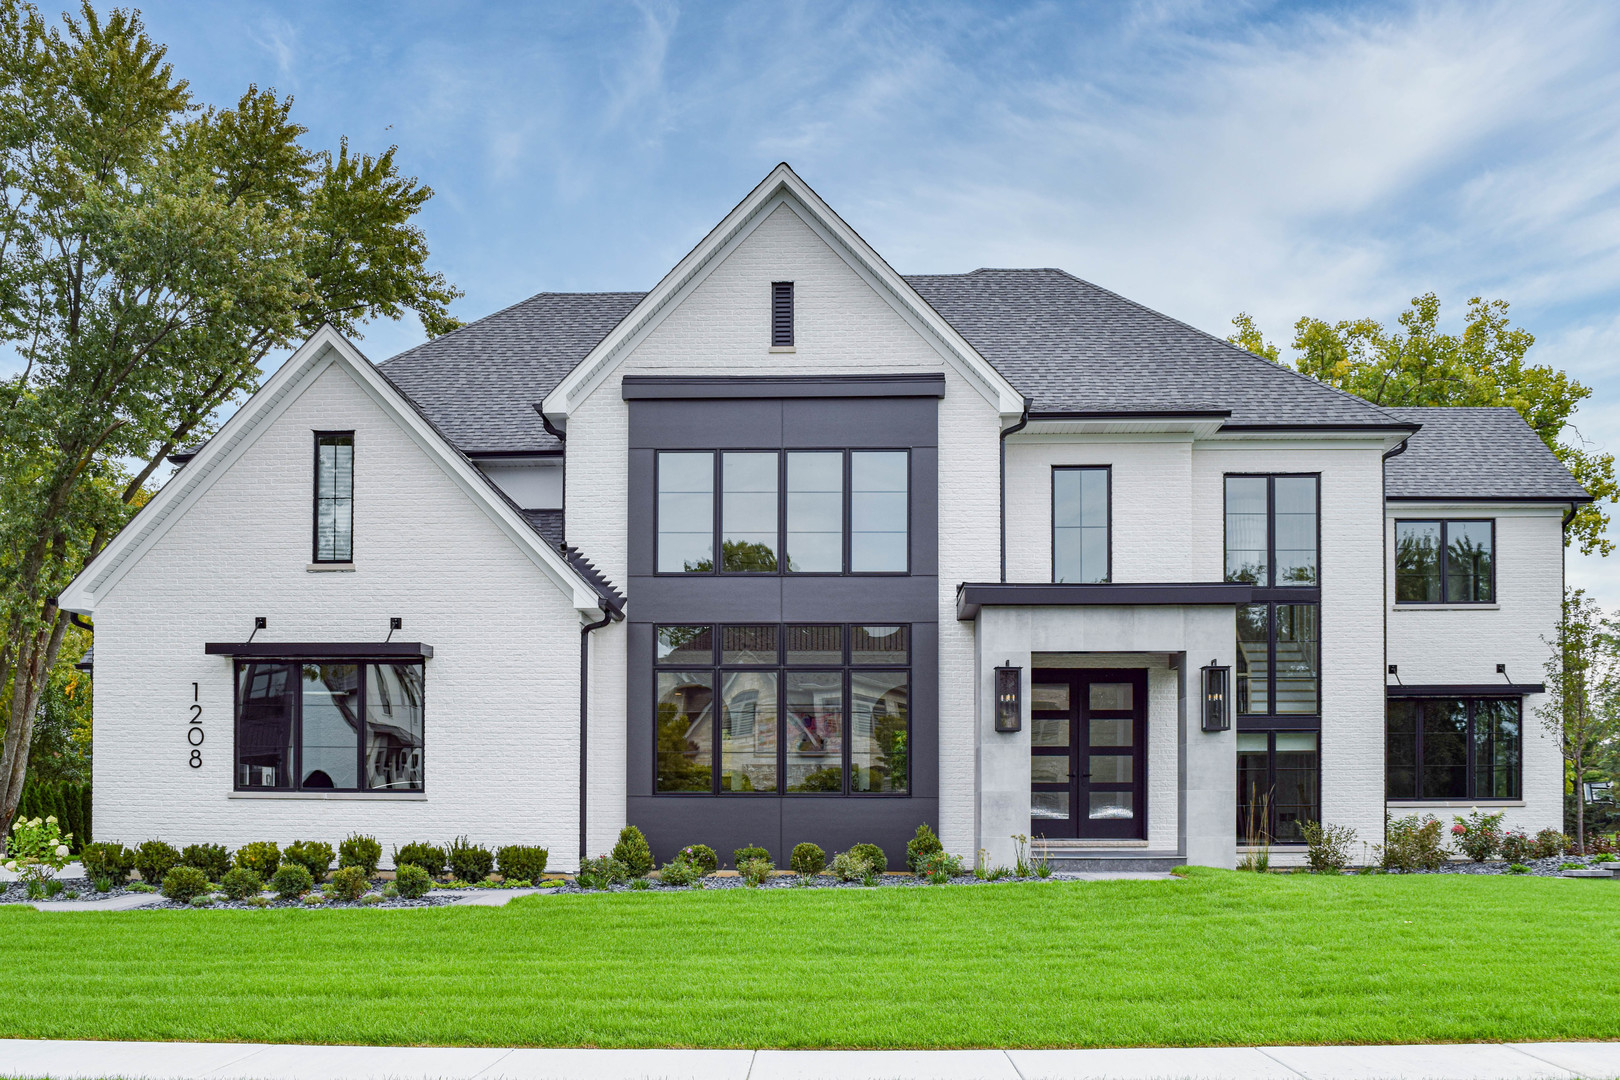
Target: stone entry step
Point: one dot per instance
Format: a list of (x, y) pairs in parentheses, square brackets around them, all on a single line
[(1101, 860)]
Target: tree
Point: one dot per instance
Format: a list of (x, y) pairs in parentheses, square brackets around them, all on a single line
[(1582, 710), (153, 252), (1484, 365)]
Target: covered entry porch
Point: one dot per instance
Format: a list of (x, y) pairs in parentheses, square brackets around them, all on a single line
[(1108, 763)]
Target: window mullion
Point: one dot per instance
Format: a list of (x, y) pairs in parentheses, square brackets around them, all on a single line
[(360, 783), (1271, 537)]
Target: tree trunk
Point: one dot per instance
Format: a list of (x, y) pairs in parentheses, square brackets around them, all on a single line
[(28, 687), (1580, 804)]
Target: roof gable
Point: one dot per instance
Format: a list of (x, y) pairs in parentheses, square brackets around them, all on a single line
[(783, 185), (325, 348)]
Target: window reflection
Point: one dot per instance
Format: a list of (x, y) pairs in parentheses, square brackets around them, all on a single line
[(815, 731)]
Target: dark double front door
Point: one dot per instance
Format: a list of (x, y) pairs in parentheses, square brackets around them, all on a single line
[(1088, 753)]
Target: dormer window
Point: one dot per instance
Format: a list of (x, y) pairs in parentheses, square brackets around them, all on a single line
[(334, 496), (781, 314)]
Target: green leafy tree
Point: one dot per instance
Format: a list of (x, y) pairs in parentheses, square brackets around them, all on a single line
[(1582, 710), (153, 252), (1418, 364)]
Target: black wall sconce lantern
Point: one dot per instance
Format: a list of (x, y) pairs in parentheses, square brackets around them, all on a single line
[(1217, 707), (1009, 698)]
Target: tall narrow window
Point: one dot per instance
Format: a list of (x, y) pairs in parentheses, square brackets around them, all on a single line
[(1445, 562), (878, 505), (781, 314), (1080, 524), (815, 512), (334, 496), (748, 512), (1271, 530), (685, 512), (1278, 789)]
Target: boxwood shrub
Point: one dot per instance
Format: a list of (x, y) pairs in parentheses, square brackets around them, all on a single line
[(292, 880), (430, 857), (701, 856), (182, 883), (348, 883), (680, 874), (920, 847), (211, 859), (110, 860), (361, 851), (743, 854), (154, 859), (262, 857), (807, 860), (873, 855), (241, 883), (519, 863), (600, 872), (313, 855), (634, 852), (411, 881), (469, 862)]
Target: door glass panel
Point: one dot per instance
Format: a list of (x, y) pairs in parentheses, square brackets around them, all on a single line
[(1118, 696), (1048, 769), (1049, 732), (1049, 805), (1051, 696), (1111, 732), (1112, 806), (1111, 768)]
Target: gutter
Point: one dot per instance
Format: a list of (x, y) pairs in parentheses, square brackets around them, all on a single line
[(1023, 422)]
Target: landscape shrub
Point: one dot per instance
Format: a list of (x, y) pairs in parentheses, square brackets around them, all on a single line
[(873, 855), (940, 866), (633, 850), (202, 901), (750, 852), (154, 859), (430, 857), (313, 855), (680, 873), (1605, 857), (807, 860), (1411, 843), (182, 883), (600, 872), (1327, 847), (468, 862), (348, 883), (1517, 847), (1518, 868), (754, 872), (262, 857), (241, 883), (1479, 835), (701, 856), (211, 859), (110, 860), (1550, 843), (848, 866), (920, 847), (36, 850), (292, 880), (1598, 844), (411, 881), (520, 863), (361, 851)]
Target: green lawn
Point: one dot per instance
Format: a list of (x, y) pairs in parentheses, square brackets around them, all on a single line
[(1219, 958)]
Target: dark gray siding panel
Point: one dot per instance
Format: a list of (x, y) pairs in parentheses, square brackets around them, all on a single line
[(673, 425), (881, 423)]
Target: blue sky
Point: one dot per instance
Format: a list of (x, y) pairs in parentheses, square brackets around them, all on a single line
[(1284, 159)]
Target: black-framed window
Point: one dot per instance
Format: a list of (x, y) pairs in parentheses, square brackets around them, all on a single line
[(1082, 542), (1278, 659), (812, 511), (1279, 784), (1453, 748), (1272, 536), (1445, 562), (768, 709), (329, 726), (334, 497)]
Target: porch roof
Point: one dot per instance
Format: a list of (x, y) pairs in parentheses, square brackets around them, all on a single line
[(971, 596)]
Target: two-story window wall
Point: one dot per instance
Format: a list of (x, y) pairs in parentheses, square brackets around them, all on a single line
[(1273, 543)]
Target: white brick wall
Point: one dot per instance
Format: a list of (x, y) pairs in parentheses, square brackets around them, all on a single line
[(1464, 643), (841, 326), (502, 690)]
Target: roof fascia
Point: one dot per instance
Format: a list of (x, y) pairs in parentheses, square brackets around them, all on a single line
[(323, 349), (1505, 501), (781, 186)]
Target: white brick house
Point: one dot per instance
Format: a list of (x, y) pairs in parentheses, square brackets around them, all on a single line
[(795, 548)]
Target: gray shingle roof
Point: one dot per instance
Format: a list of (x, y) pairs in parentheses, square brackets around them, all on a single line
[(1066, 344), (1475, 453), (480, 383), (1071, 346)]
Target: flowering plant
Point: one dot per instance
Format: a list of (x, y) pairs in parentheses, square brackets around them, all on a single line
[(1479, 835), (36, 849)]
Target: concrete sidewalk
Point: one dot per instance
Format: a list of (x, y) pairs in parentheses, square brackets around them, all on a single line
[(37, 1059)]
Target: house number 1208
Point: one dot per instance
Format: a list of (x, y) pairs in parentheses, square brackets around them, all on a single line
[(194, 731)]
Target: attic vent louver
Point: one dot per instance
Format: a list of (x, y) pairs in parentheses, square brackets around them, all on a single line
[(781, 313)]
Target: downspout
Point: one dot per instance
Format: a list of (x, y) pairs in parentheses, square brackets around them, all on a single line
[(584, 709), (1383, 599), (562, 437), (1023, 421)]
